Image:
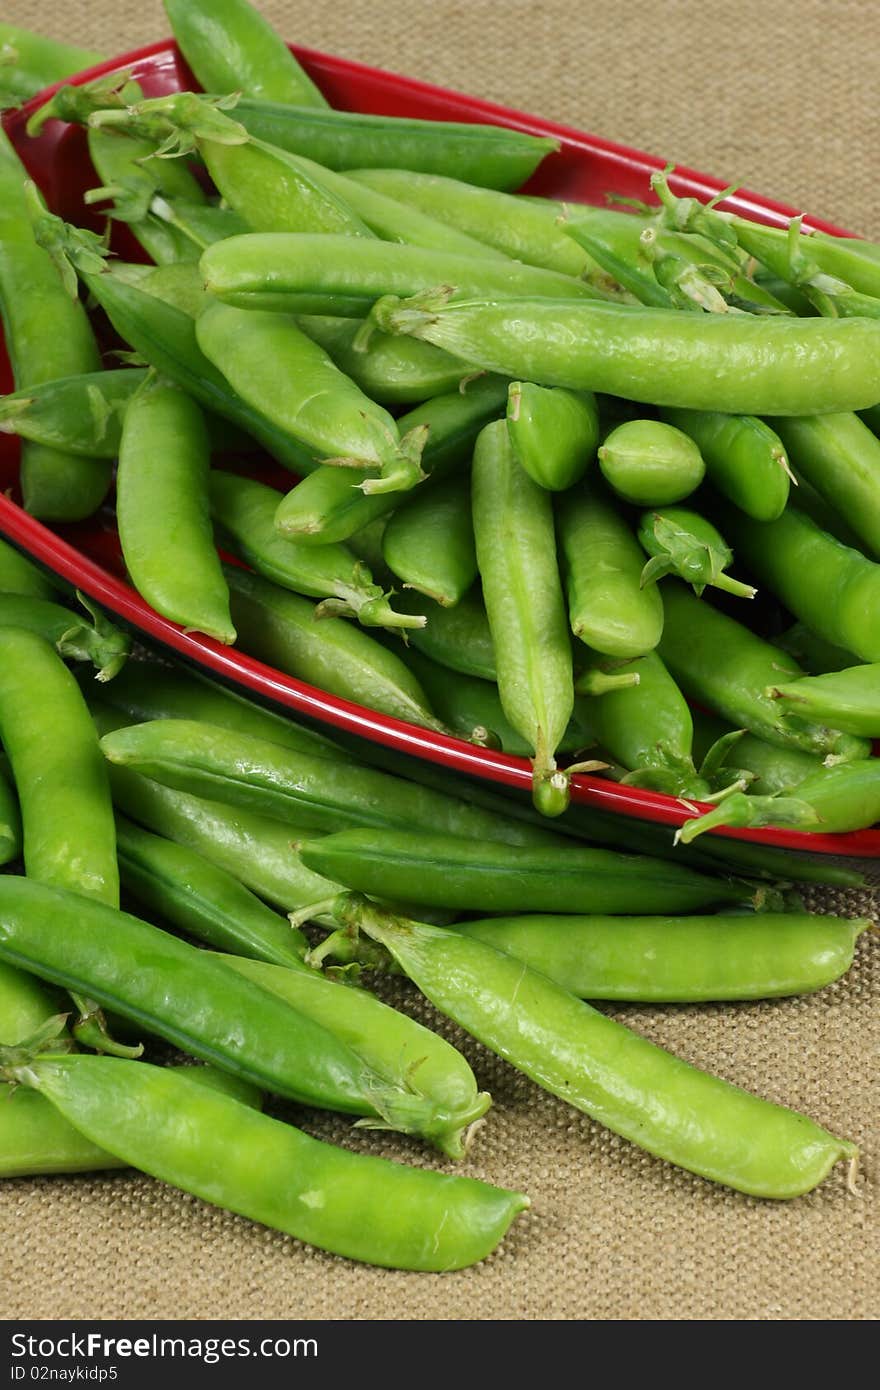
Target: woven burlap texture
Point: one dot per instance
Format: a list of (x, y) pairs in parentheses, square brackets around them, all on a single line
[(778, 98)]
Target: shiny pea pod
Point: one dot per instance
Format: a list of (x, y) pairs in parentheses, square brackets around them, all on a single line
[(516, 554), (299, 388), (681, 542), (72, 634), (829, 801), (308, 792), (39, 61), (81, 414), (745, 459), (457, 637), (847, 699), (650, 463), (630, 1085), (392, 371), (830, 587), (678, 960), (813, 653), (10, 819), (188, 997), (244, 509), (232, 47), (429, 541), (163, 513), (19, 575), (221, 1151), (726, 667), (439, 870), (840, 456), (771, 769), (328, 507), (280, 628), (553, 432), (602, 563)]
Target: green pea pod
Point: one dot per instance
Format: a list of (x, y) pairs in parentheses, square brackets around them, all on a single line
[(812, 652), (727, 668), (602, 562), (647, 727), (299, 388), (202, 899), (458, 637), (487, 155), (630, 1085), (847, 700), (36, 1139), (771, 769), (47, 335), (738, 364), (146, 690), (516, 554), (650, 464), (530, 230), (231, 47), (19, 575), (217, 1149), (163, 514), (745, 459), (25, 1004), (437, 870), (285, 631), (553, 432), (840, 456), (71, 634), (677, 960), (831, 800), (326, 507), (308, 274), (309, 792), (178, 284), (10, 821), (200, 222), (82, 414), (392, 371), (245, 511), (429, 541), (39, 61), (828, 586), (683, 543)]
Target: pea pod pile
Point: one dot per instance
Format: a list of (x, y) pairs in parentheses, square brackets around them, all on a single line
[(490, 403)]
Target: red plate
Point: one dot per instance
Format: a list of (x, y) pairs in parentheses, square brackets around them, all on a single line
[(584, 170)]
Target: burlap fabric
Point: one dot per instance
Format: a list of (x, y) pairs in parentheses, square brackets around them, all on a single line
[(782, 98)]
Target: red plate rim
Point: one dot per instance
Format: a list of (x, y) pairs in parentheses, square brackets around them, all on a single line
[(232, 665)]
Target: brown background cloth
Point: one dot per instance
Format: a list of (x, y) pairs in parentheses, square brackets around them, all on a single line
[(782, 98)]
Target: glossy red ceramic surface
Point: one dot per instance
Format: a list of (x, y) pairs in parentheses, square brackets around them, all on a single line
[(585, 169)]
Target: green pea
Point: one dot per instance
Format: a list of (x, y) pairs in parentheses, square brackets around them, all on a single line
[(650, 464)]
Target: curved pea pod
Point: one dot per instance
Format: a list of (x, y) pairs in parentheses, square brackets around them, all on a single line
[(326, 507), (18, 575), (429, 541), (847, 699), (770, 769), (355, 1205), (738, 364), (727, 668), (487, 155), (830, 587), (602, 563), (81, 414), (47, 335), (683, 543), (830, 800), (647, 727), (284, 630), (231, 47), (437, 870), (163, 512), (308, 792), (36, 1139), (146, 690), (299, 388), (516, 554), (745, 459), (650, 463), (392, 371), (840, 456), (309, 274), (71, 634), (392, 1044), (553, 432), (245, 511), (677, 960), (530, 230), (631, 1086), (188, 997)]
